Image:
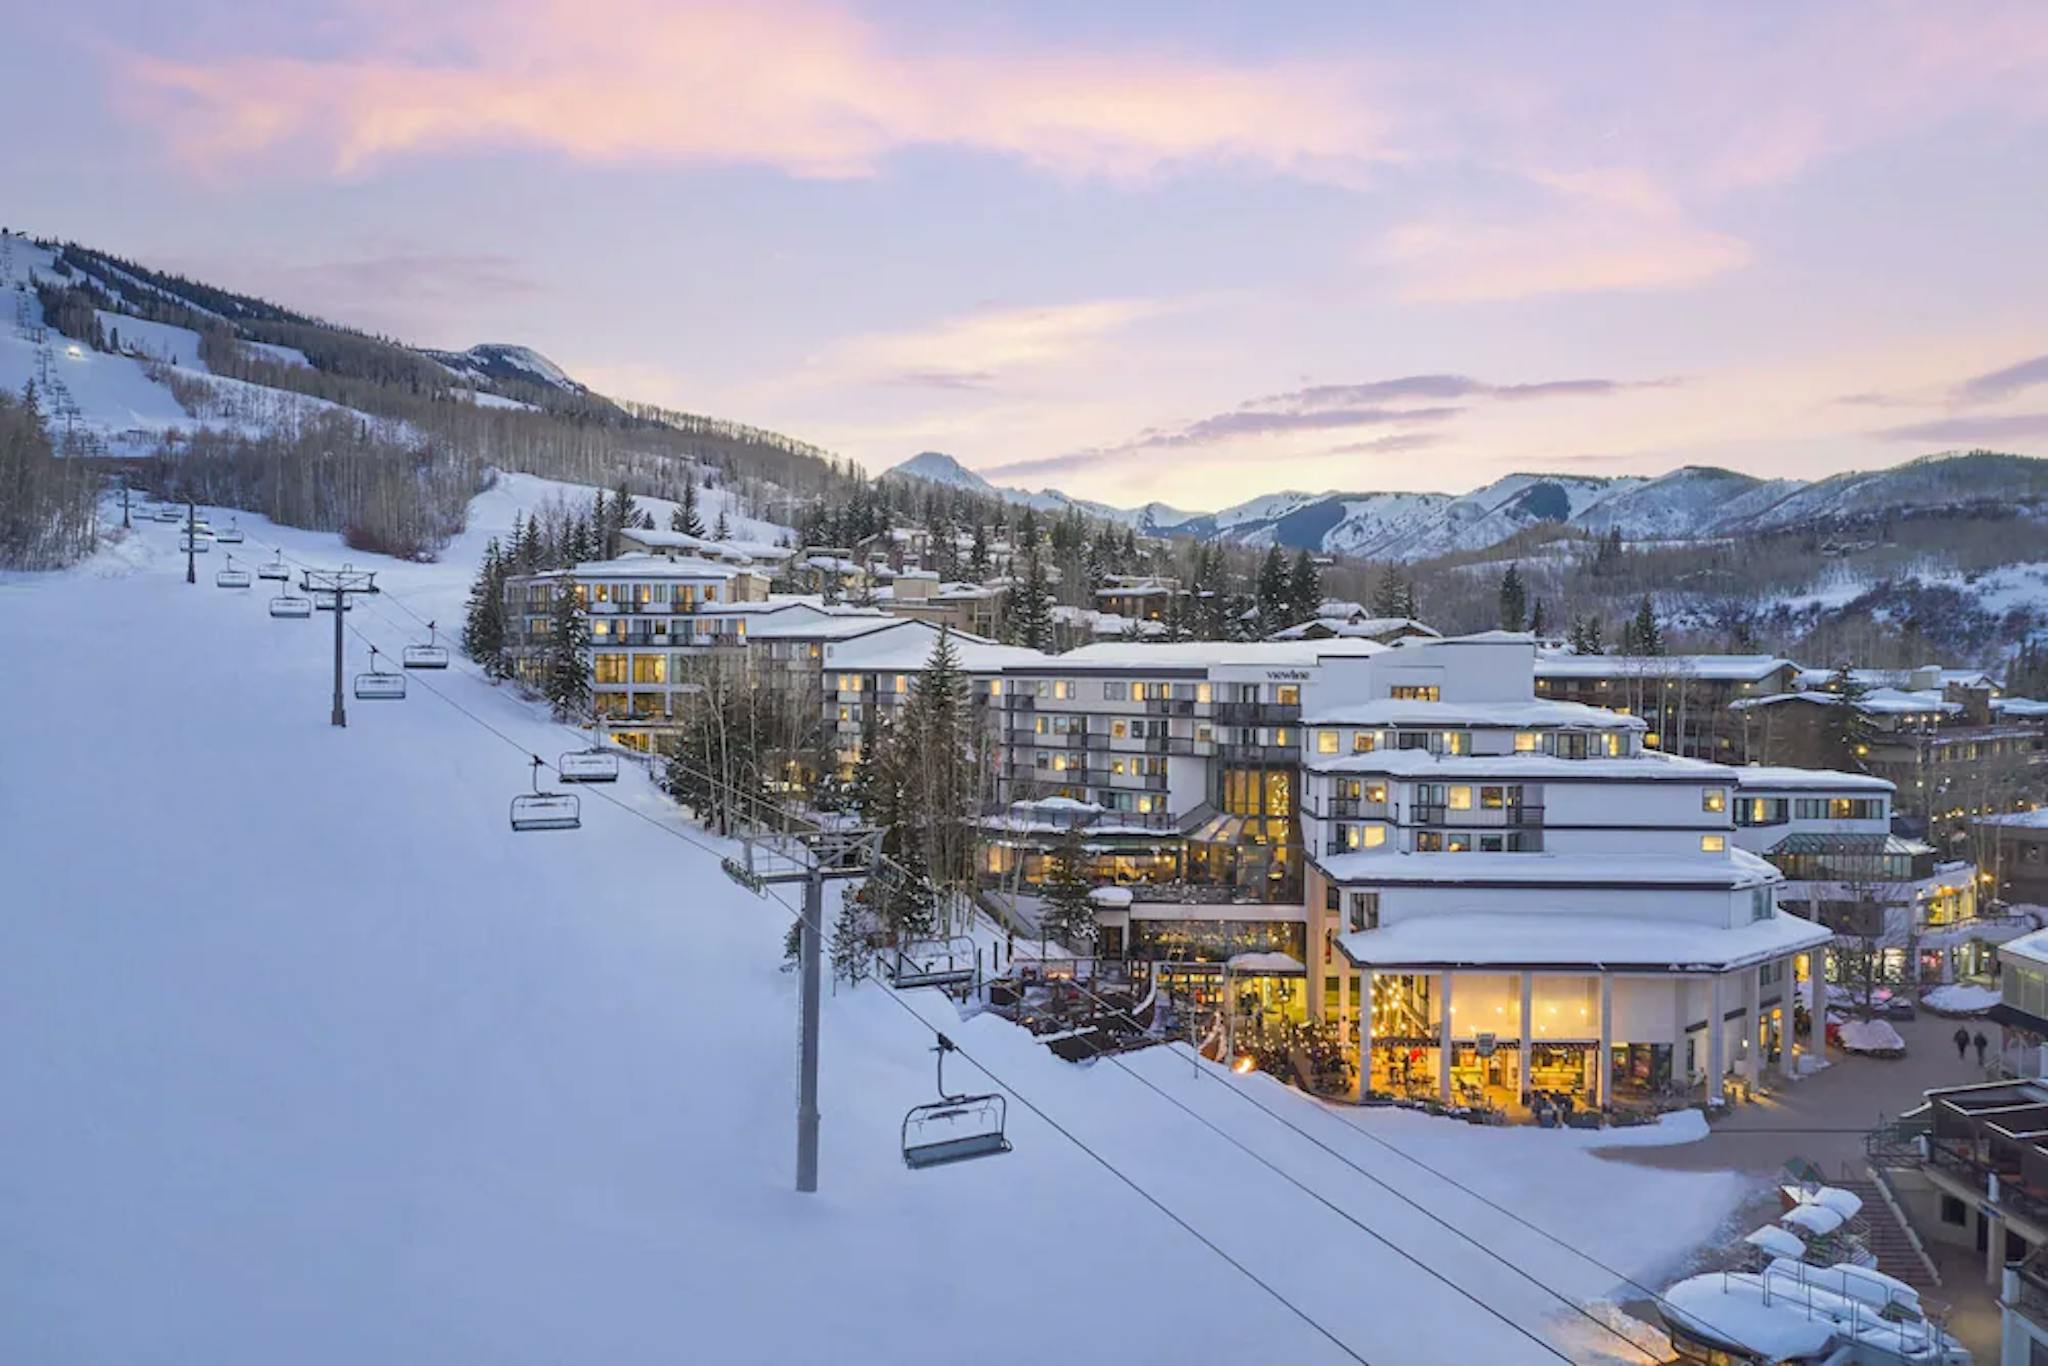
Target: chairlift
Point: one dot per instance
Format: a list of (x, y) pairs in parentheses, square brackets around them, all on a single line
[(544, 810), (289, 606), (934, 963), (598, 764), (231, 536), (379, 686), (427, 656), (276, 570), (193, 545), (954, 1128), (325, 602), (231, 577)]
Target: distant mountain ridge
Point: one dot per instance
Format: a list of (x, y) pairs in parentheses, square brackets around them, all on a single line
[(1692, 502)]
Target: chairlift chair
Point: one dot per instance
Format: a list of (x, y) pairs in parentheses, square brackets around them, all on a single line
[(231, 577), (325, 602), (544, 810), (276, 570), (379, 686), (193, 545), (427, 656), (954, 1128), (231, 536), (289, 606), (934, 963), (598, 764)]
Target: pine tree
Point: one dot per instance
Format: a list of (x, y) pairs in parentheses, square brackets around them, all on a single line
[(1305, 588), (1031, 611), (1537, 624), (910, 905), (850, 949), (685, 518), (568, 671), (1644, 637), (1607, 558), (1387, 593), (1514, 600), (1845, 730), (483, 624), (1271, 591), (1068, 916), (1585, 637), (598, 545), (723, 530), (625, 514), (978, 564), (1409, 610)]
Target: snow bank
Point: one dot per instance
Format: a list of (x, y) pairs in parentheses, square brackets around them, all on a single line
[(1960, 998), (1872, 1036)]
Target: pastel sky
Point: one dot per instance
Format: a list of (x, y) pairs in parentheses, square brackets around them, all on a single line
[(1182, 251)]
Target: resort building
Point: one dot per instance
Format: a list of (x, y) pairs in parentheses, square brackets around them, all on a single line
[(651, 619), (1900, 914), (1683, 699), (1355, 626), (1510, 895), (2016, 857), (1138, 597)]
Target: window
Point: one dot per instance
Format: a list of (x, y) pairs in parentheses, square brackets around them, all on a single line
[(1326, 741), (1713, 844), (1714, 799), (1115, 692), (1119, 730), (1613, 743), (1416, 692), (1459, 799), (1365, 911), (1493, 798), (1374, 836), (1527, 742), (1204, 692), (608, 668), (1288, 694), (1203, 734), (650, 668), (1364, 741)]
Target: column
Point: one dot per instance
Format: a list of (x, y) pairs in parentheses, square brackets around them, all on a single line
[(1717, 1040), (1994, 1250), (1443, 1039), (1750, 1059), (1681, 994), (1364, 1080), (1528, 1006), (1603, 1066)]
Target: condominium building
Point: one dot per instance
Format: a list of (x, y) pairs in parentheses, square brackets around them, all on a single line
[(649, 617), (1509, 894), (1900, 914), (1684, 699)]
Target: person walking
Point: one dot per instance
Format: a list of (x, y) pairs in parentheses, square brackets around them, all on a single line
[(1981, 1044), (1962, 1043)]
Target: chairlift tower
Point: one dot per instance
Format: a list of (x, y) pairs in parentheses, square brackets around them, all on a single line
[(191, 542), (342, 583), (812, 857)]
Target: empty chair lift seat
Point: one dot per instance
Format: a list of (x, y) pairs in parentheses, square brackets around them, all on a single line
[(431, 655), (289, 606), (378, 685), (544, 810), (954, 1128), (590, 766)]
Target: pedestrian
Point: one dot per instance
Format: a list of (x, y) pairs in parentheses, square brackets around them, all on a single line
[(1962, 1043), (1981, 1044)]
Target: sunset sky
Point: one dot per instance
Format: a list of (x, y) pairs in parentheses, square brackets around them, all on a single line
[(1191, 252)]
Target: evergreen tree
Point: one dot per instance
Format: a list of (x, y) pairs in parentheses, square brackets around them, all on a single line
[(685, 518), (625, 514), (938, 777), (526, 547), (1607, 558), (1304, 588), (978, 563), (483, 624), (1845, 730), (1514, 600), (1643, 636), (1584, 637), (1537, 624), (598, 545), (1068, 916), (567, 686), (1271, 591), (910, 905), (850, 947), (723, 530), (1387, 592), (1409, 610), (1031, 608)]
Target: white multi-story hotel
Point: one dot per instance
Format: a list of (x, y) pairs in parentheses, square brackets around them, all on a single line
[(1508, 894)]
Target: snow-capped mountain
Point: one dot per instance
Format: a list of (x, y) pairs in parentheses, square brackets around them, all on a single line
[(1692, 502), (503, 361)]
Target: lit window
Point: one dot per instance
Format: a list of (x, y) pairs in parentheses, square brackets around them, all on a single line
[(995, 687), (1460, 799), (1363, 741), (1614, 743), (1425, 692), (1527, 742), (1714, 799), (1377, 792), (1283, 737), (1288, 695), (1204, 692), (1326, 742), (1375, 836), (1713, 844)]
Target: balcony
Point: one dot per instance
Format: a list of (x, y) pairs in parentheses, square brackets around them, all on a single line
[(1257, 713), (1519, 816), (1169, 706), (1356, 808)]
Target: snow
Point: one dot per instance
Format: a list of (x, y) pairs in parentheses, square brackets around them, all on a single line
[(1563, 937), (324, 1065), (1731, 668), (1389, 711), (1733, 1309), (1733, 869), (2036, 819), (156, 341), (1763, 778), (1777, 1241), (1276, 963), (1871, 1036), (1960, 998), (283, 355)]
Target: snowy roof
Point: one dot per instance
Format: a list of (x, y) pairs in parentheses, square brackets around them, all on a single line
[(2032, 947), (1902, 678), (646, 567), (1111, 898), (1719, 668), (705, 545), (1355, 626), (898, 650), (2022, 820), (1201, 654), (809, 627), (1876, 702), (2019, 707), (1649, 766), (1776, 1241), (1265, 963), (1732, 1308), (1577, 939), (1763, 778), (1387, 711), (1732, 869)]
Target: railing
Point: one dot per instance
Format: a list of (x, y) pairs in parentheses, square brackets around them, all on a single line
[(1169, 706), (1356, 808), (1497, 817), (1257, 713)]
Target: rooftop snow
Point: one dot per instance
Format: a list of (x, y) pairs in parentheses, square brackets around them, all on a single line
[(1387, 711), (1197, 654), (1718, 668), (1736, 868), (1649, 766), (1768, 778), (1536, 938)]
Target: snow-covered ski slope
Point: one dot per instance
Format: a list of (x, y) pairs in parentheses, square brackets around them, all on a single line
[(310, 1059)]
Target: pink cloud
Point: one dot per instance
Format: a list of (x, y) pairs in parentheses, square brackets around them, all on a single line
[(797, 85)]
